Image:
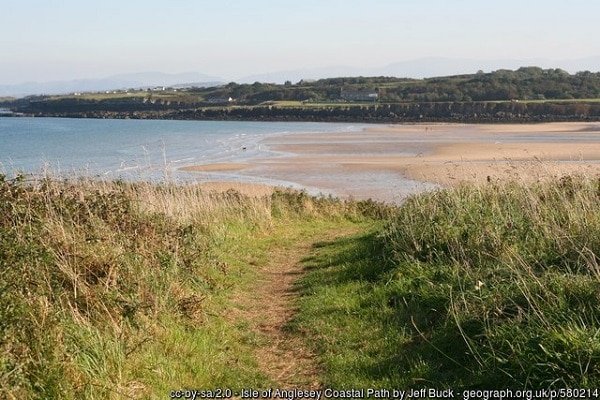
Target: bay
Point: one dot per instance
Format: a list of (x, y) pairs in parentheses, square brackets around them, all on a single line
[(139, 149)]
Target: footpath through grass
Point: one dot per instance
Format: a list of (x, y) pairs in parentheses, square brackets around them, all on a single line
[(115, 290)]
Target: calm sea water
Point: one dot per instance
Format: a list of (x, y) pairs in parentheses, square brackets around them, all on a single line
[(135, 149)]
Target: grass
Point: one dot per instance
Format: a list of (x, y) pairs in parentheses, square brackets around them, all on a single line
[(135, 95), (343, 105), (474, 287), (592, 100), (315, 104), (117, 290)]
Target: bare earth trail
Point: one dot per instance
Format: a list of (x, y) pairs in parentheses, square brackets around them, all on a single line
[(270, 304)]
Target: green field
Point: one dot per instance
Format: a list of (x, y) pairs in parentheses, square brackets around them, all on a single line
[(167, 95)]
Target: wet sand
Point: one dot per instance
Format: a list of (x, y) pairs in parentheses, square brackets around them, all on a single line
[(478, 162), (215, 167), (389, 162)]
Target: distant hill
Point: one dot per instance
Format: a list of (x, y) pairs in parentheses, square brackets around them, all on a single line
[(528, 94), (524, 83), (121, 81)]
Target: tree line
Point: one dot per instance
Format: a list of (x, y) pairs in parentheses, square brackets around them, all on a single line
[(526, 83)]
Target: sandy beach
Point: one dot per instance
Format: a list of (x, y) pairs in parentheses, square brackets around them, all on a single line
[(215, 167), (389, 162)]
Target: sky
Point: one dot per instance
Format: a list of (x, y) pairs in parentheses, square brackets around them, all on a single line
[(45, 40)]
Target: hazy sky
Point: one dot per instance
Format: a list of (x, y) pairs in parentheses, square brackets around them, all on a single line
[(51, 39)]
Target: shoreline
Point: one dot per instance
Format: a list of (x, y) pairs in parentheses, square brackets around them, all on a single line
[(488, 111), (419, 121), (389, 162), (215, 167)]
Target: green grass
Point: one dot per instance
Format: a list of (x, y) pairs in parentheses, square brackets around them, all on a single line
[(342, 311), (593, 100), (283, 103), (475, 287), (103, 96), (325, 104), (136, 95), (113, 290)]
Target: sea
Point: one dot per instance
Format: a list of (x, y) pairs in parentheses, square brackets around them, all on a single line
[(148, 150)]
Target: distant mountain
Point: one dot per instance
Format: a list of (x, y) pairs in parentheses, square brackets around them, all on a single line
[(426, 68), (296, 75), (437, 66), (418, 68), (121, 81), (161, 79)]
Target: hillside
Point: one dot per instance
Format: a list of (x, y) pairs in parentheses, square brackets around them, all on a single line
[(528, 94)]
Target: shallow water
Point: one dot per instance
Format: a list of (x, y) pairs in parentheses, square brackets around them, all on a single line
[(300, 155), (136, 149)]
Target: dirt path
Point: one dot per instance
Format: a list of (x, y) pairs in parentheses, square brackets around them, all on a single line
[(270, 304)]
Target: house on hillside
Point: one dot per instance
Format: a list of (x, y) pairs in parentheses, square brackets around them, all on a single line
[(359, 95)]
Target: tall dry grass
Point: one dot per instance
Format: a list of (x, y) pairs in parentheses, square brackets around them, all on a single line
[(103, 283)]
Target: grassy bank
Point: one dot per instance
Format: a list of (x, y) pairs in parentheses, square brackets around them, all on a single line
[(114, 290), (475, 287), (117, 290)]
